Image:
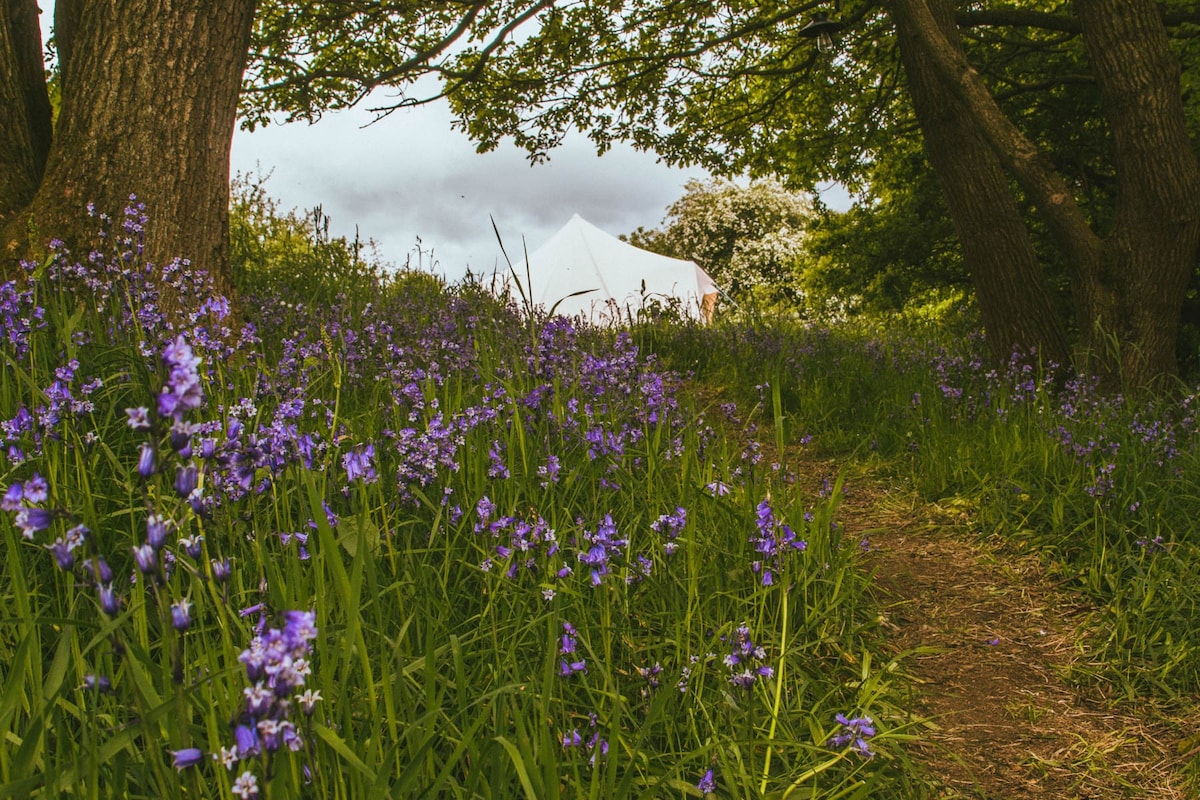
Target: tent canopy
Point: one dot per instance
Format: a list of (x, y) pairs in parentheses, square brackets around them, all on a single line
[(615, 277)]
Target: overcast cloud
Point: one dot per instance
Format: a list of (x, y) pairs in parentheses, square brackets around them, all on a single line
[(411, 176)]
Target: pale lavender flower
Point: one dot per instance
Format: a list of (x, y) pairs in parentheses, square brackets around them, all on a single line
[(246, 785), (36, 489), (139, 418), (110, 601), (145, 558), (157, 528), (221, 569)]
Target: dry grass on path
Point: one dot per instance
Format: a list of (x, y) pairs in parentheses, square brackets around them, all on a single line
[(990, 639), (993, 637)]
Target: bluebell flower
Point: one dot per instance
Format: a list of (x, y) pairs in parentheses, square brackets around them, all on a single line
[(855, 732), (110, 601), (63, 557), (180, 438), (101, 571), (138, 418), (246, 786), (360, 465), (247, 740), (181, 615), (157, 528), (146, 465), (12, 498), (145, 558), (221, 569), (707, 784), (187, 757), (32, 520), (183, 392), (36, 489), (97, 683), (192, 545), (187, 478)]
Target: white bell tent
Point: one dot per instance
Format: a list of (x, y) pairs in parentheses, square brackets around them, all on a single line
[(587, 272)]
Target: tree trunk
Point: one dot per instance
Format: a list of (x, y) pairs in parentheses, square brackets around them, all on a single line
[(25, 106), (1149, 255), (1010, 286), (149, 101), (1129, 285)]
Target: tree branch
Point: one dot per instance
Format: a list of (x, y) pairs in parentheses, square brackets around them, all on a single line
[(1020, 156)]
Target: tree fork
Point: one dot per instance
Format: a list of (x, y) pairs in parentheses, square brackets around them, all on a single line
[(1017, 308)]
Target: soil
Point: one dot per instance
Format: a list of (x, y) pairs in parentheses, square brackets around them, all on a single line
[(990, 641)]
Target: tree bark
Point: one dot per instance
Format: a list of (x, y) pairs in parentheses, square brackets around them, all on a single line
[(1150, 253), (1018, 310), (1129, 285), (25, 121), (149, 102)]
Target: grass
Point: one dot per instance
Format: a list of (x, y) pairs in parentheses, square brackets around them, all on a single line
[(536, 554), (1101, 484), (536, 565)]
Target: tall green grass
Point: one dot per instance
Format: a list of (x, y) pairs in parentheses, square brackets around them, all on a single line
[(1102, 485), (462, 648)]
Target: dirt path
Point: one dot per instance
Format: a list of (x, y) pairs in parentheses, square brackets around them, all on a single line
[(995, 636)]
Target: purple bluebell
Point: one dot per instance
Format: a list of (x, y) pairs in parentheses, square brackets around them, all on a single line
[(63, 557), (97, 683), (360, 464), (192, 546), (157, 529), (101, 571), (12, 498), (181, 615), (187, 757), (32, 520), (145, 558), (569, 665), (183, 392), (187, 478), (180, 438), (146, 460), (707, 784), (246, 739), (549, 471), (36, 489), (221, 570), (855, 732), (110, 601)]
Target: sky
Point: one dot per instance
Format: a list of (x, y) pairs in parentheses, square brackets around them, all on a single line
[(410, 175), (411, 180)]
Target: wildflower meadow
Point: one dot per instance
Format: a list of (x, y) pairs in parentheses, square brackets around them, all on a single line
[(403, 543), (399, 539)]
